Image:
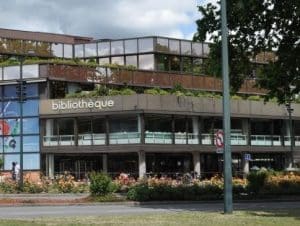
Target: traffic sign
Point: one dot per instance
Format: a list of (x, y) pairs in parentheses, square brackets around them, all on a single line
[(219, 139), (247, 157)]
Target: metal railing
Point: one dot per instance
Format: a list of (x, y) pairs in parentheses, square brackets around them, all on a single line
[(158, 138), (56, 140), (89, 139), (125, 138)]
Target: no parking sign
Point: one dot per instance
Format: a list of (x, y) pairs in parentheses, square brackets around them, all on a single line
[(219, 141)]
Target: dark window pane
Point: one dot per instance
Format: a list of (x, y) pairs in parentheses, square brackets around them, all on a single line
[(197, 66), (175, 63), (162, 62), (10, 91), (32, 90), (98, 125), (187, 64), (66, 126)]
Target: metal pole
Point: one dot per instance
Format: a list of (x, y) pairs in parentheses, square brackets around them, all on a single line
[(226, 115), (21, 123), (290, 110)]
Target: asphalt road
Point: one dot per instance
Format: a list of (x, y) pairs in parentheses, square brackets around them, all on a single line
[(129, 209)]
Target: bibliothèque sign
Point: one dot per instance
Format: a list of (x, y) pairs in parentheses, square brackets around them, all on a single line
[(81, 104)]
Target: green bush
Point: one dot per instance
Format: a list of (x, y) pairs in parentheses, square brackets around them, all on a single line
[(8, 187), (1, 163), (29, 187), (101, 184), (254, 98), (256, 181), (127, 91), (151, 91)]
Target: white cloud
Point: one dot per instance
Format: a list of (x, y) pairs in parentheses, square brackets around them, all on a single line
[(102, 19)]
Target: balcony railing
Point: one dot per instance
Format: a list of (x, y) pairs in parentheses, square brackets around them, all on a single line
[(125, 138), (62, 140), (89, 139), (158, 138)]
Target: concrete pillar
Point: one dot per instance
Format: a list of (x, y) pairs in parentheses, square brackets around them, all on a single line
[(245, 166), (288, 157), (50, 165), (141, 127), (197, 164), (142, 164), (196, 129), (49, 127), (246, 130), (104, 163)]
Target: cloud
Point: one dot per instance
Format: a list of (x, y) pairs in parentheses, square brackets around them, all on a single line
[(102, 19)]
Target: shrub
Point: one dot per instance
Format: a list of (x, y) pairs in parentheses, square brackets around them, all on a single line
[(8, 187), (30, 187), (64, 183), (127, 91), (101, 184), (256, 181), (254, 98), (151, 91)]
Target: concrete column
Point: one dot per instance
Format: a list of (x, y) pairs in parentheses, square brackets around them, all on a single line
[(49, 127), (245, 130), (197, 164), (195, 128), (104, 163), (141, 127), (50, 165), (142, 164), (245, 166), (288, 157)]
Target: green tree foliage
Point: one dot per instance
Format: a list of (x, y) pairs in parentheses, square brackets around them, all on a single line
[(270, 28)]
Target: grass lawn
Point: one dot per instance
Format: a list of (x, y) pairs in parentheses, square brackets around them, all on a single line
[(255, 218)]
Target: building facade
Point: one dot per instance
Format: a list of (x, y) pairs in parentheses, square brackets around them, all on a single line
[(140, 134)]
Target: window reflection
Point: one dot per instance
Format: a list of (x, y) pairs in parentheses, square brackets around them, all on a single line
[(31, 108), (162, 62), (90, 50), (103, 61), (11, 109), (103, 48), (187, 64), (197, 66), (117, 60), (174, 46), (162, 45), (30, 125), (185, 48), (145, 45), (31, 161), (43, 49), (9, 159), (31, 71), (79, 51), (57, 50), (205, 49), (131, 46), (175, 63), (31, 143), (197, 49), (131, 60), (146, 62), (11, 72), (117, 47), (29, 46), (68, 51)]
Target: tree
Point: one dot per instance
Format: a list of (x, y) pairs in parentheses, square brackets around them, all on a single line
[(269, 28)]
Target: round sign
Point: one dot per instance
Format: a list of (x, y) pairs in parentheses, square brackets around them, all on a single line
[(219, 139)]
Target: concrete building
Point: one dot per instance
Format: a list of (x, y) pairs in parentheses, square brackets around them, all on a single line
[(140, 134)]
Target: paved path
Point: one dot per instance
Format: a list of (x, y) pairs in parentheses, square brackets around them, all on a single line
[(129, 209)]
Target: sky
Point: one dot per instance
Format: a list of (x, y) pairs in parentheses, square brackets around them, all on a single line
[(103, 18)]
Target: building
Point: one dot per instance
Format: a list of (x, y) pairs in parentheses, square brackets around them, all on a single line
[(140, 134)]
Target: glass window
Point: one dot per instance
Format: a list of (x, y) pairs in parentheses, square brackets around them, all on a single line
[(68, 51), (146, 62), (117, 60), (66, 126), (31, 161), (117, 47), (162, 62), (124, 124), (9, 159), (162, 45), (145, 45), (131, 46), (98, 125), (32, 90), (103, 61), (57, 50), (11, 109), (205, 49), (11, 72), (11, 144), (10, 127), (197, 49), (31, 108), (43, 49), (131, 60), (185, 48), (90, 50), (29, 46), (174, 46), (187, 65), (84, 126), (79, 51), (31, 71), (31, 143), (197, 66), (174, 63), (1, 144), (103, 48), (10, 91), (30, 125)]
